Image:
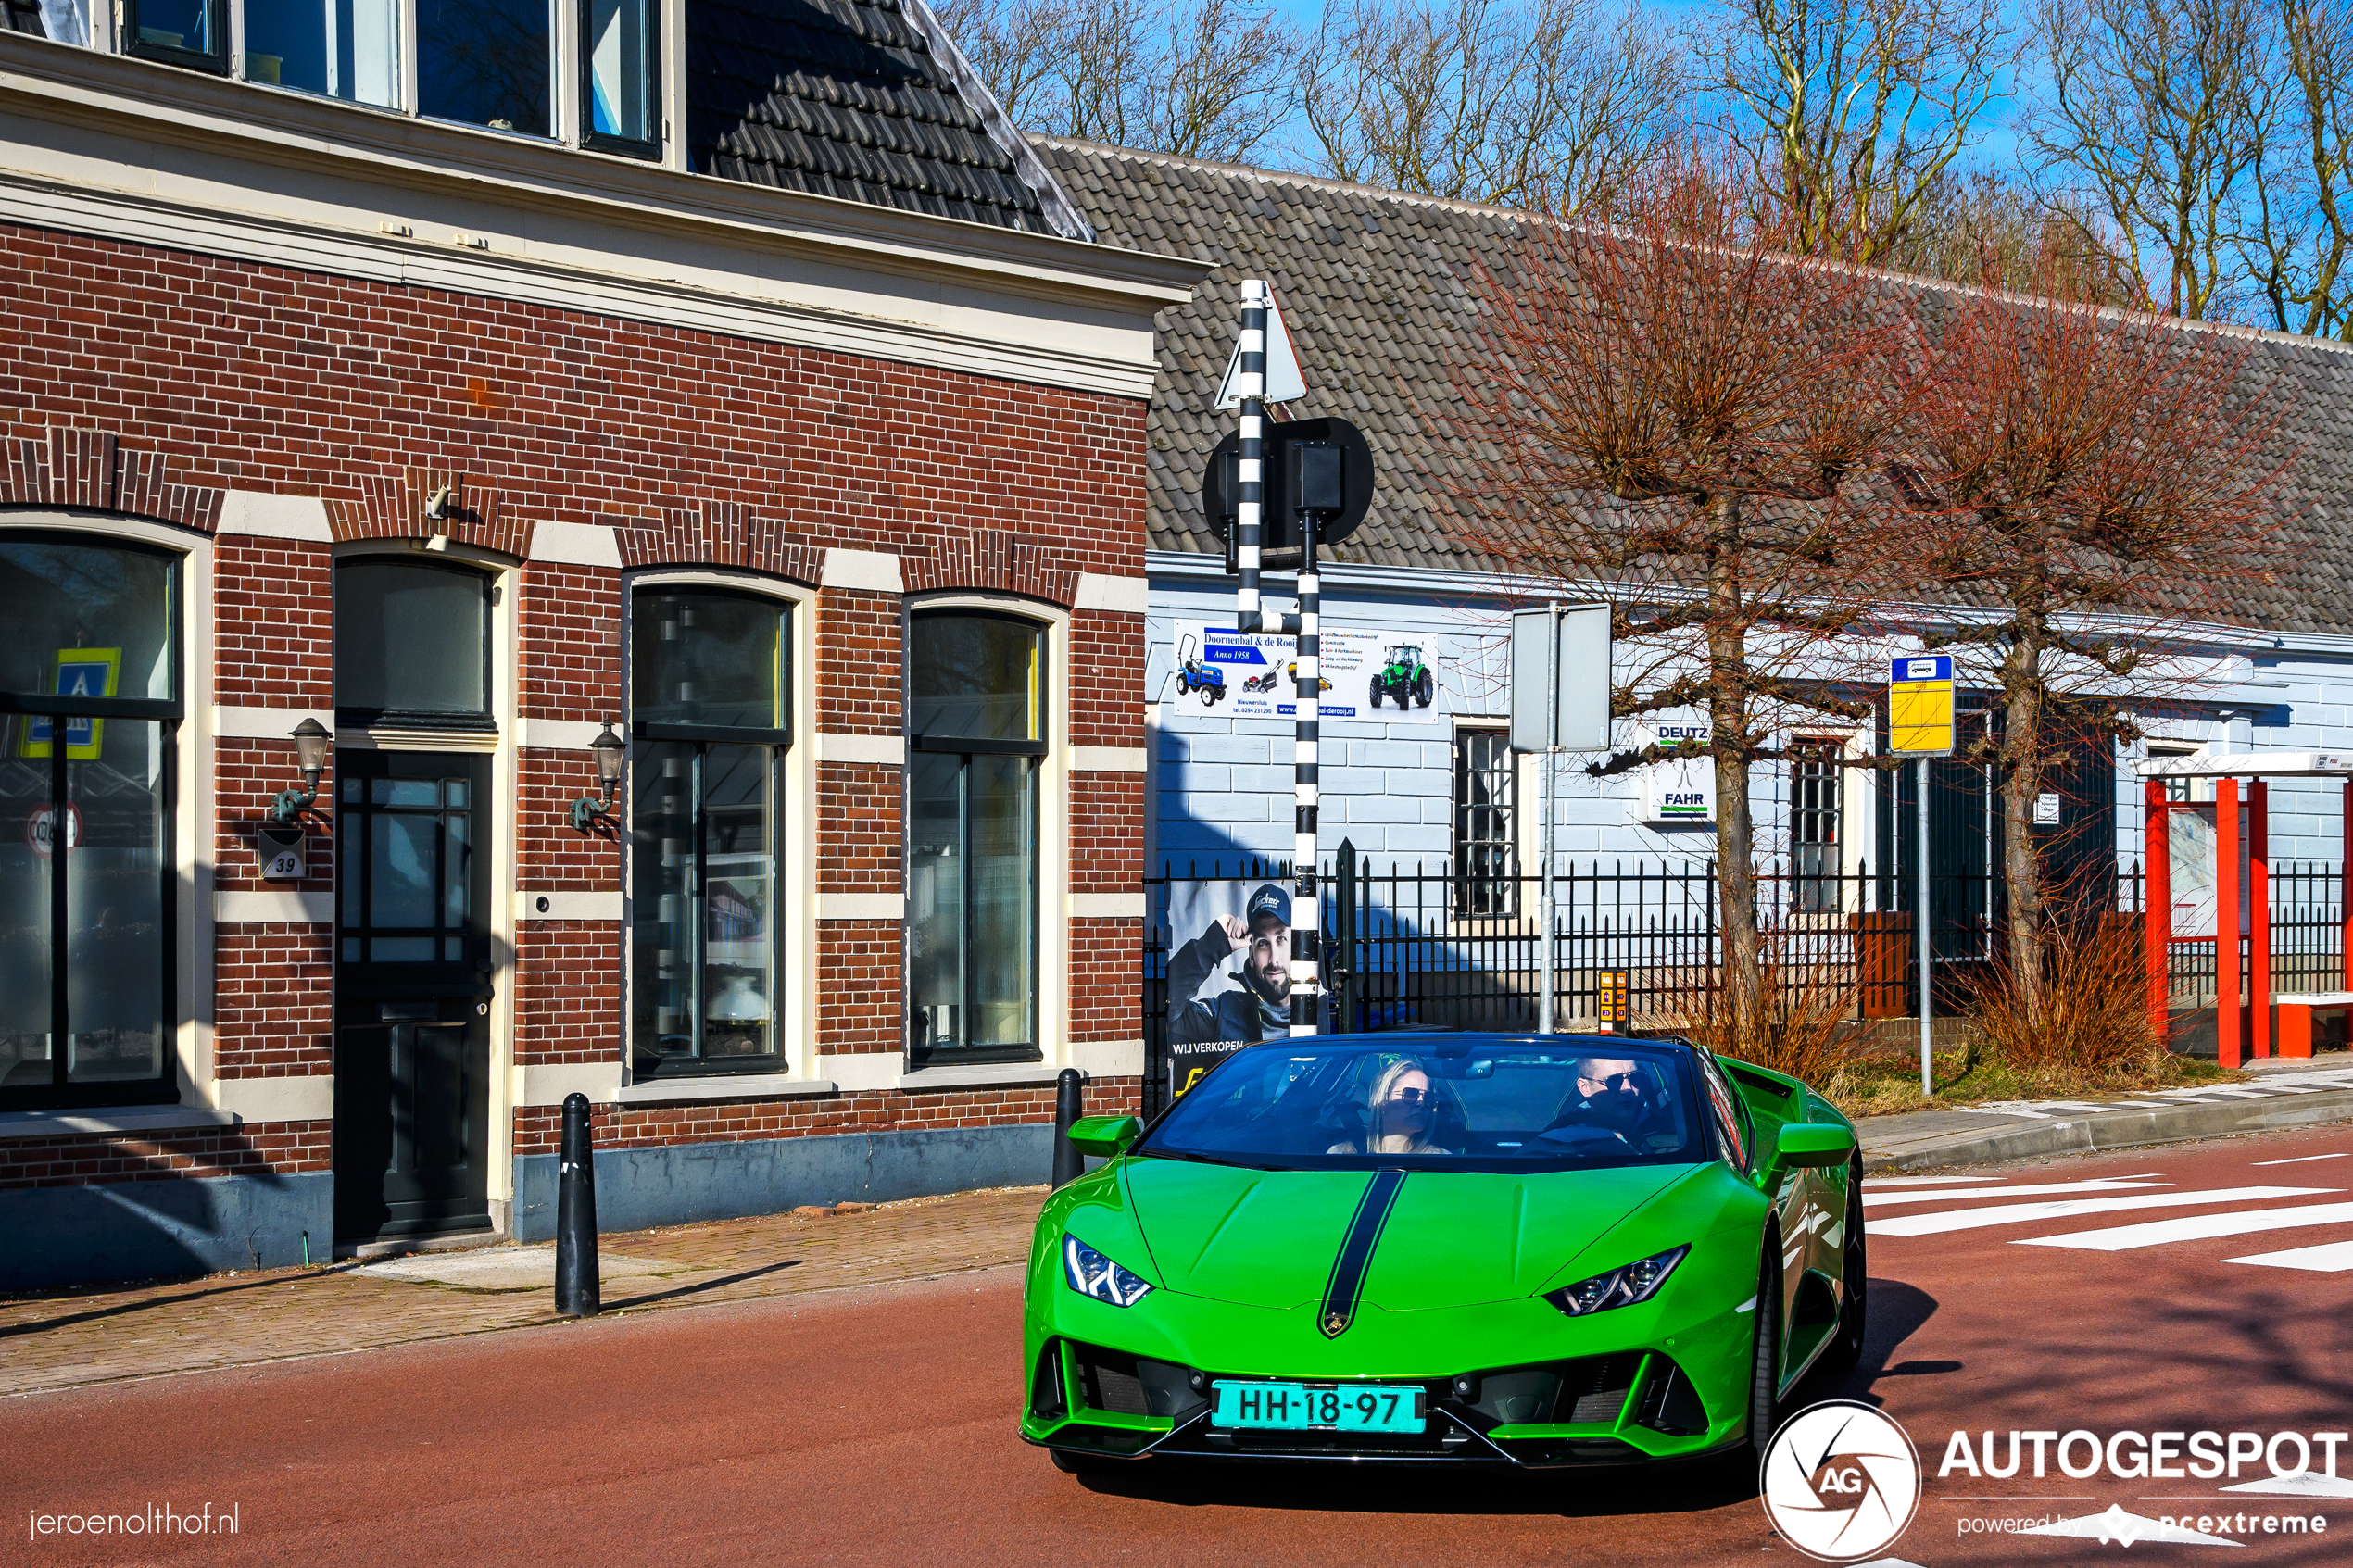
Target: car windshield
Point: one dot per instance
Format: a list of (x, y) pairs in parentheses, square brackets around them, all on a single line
[(1441, 1103)]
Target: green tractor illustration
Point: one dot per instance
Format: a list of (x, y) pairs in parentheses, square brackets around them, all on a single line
[(1403, 676)]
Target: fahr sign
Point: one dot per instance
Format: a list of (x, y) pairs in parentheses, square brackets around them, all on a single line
[(1682, 791)]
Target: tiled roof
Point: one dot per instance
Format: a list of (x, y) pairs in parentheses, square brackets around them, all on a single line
[(860, 99), (1379, 290)]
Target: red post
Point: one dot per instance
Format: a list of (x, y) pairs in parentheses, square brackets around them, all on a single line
[(2230, 1019), (2258, 910), (2156, 898)]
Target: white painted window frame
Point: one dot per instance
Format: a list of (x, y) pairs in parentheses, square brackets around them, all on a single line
[(796, 830), (1053, 821), (191, 819)]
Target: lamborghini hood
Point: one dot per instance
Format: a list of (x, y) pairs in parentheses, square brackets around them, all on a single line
[(1268, 1238)]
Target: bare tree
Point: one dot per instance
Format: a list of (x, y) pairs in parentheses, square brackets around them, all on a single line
[(1016, 45), (2301, 229), (1672, 409), (2093, 478), (1497, 101), (1203, 78), (1985, 228), (1853, 111), (2161, 110)]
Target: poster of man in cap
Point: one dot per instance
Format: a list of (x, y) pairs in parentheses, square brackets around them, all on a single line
[(1229, 976)]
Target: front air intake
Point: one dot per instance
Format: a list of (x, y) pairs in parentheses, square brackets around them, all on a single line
[(1596, 1387), (1670, 1402), (1126, 1385), (1046, 1388)]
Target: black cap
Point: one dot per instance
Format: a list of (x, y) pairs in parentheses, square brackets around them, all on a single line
[(1269, 900)]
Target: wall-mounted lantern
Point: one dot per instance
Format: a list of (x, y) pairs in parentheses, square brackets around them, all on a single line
[(311, 741), (589, 810)]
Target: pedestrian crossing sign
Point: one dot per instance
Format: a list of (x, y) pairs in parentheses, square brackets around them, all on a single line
[(1919, 705), (81, 673)]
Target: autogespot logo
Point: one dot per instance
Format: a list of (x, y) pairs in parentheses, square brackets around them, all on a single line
[(1841, 1481)]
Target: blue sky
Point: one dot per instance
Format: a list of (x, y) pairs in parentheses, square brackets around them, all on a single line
[(1996, 144)]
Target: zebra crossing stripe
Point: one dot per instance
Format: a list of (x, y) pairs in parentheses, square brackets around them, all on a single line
[(1875, 1183), (2103, 1184), (2197, 1227), (2068, 1208), (2329, 1258)]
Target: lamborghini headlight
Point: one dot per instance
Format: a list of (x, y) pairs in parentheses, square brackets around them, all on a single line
[(1091, 1274), (1638, 1281)]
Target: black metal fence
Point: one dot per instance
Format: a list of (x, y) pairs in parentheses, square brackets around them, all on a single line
[(1423, 949)]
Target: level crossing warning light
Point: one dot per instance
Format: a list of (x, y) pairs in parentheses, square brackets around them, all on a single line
[(1919, 705)]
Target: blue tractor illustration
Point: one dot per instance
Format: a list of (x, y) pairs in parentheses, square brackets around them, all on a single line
[(1194, 674)]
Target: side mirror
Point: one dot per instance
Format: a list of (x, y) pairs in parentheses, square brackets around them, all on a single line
[(1106, 1137), (1815, 1143)]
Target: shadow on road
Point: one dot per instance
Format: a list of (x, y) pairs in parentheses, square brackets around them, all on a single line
[(1897, 1311), (146, 1303), (1694, 1487), (630, 1303)]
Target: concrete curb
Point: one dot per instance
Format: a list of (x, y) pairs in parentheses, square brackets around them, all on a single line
[(2099, 1134)]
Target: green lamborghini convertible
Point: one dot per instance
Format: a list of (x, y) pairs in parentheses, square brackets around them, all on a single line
[(1520, 1250)]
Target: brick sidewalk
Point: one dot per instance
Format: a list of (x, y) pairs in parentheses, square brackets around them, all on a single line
[(65, 1340)]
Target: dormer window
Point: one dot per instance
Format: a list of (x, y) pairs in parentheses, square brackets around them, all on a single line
[(343, 48), (484, 62), (620, 94), (180, 32), (492, 63)]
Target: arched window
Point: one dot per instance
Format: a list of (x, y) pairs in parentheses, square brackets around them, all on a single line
[(90, 710), (975, 706), (709, 725)]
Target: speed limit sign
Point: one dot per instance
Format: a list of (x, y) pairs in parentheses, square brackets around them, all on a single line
[(40, 829)]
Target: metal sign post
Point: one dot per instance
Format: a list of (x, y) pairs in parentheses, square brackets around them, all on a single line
[(1547, 721), (1919, 723), (1552, 769)]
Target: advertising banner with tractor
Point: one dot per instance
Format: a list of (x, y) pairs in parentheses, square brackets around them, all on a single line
[(1366, 674)]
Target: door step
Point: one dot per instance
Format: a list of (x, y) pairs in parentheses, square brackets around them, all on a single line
[(410, 1246)]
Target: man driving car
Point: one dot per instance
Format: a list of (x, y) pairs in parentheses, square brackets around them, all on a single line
[(1609, 1098)]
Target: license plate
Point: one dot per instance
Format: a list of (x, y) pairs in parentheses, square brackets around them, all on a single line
[(1297, 1407)]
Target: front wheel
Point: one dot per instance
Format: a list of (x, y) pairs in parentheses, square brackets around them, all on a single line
[(1424, 689), (1764, 1366), (1376, 694), (1847, 1351), (1208, 696)]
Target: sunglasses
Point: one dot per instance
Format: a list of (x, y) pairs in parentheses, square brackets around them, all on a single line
[(1618, 1083), (1412, 1096)]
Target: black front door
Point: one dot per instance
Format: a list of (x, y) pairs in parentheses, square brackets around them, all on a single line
[(412, 994)]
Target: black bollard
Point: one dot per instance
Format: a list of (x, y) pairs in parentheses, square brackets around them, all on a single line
[(1069, 1107), (576, 1281)]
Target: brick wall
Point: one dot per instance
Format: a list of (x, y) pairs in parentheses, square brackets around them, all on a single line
[(274, 379), (90, 1160), (539, 1129), (273, 633), (858, 986)]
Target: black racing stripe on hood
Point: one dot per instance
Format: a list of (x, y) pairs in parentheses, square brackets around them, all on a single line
[(1340, 1292)]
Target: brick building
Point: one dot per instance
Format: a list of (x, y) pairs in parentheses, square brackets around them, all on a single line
[(731, 375)]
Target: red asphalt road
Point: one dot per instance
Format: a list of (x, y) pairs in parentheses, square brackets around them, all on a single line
[(876, 1427)]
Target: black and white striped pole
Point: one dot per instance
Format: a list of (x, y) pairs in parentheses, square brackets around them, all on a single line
[(1306, 999), (1306, 909)]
